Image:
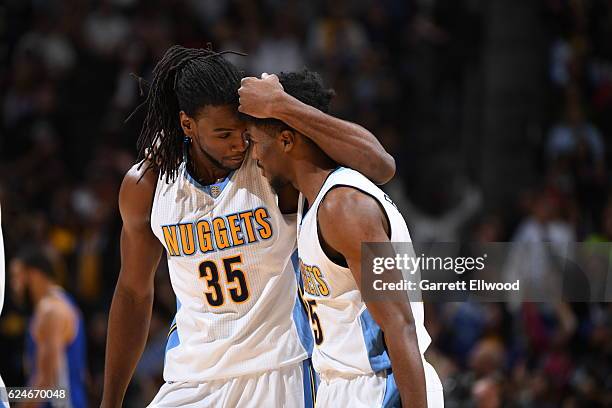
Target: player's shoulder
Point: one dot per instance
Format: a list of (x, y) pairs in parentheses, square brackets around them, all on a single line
[(345, 201), (346, 217), (137, 190), (52, 309), (347, 204), (54, 314), (141, 176), (348, 176)]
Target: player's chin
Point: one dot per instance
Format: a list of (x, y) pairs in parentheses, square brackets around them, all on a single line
[(277, 183), (233, 163)]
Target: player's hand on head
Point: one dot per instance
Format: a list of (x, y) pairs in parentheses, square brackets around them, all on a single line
[(258, 96)]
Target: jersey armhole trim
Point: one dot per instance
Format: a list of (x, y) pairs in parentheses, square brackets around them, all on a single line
[(380, 204), (153, 197)]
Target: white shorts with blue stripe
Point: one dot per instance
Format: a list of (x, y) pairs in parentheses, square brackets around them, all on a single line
[(373, 391)]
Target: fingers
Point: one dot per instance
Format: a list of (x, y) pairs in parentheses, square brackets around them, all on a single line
[(247, 80), (269, 77), (243, 108), (244, 90), (264, 75)]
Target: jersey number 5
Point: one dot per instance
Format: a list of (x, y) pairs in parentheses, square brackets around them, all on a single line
[(315, 323), (235, 281)]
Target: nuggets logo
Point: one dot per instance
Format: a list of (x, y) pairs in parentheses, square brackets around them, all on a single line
[(314, 281), (215, 191), (217, 234)]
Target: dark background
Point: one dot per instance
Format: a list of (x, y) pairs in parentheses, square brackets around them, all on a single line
[(498, 114)]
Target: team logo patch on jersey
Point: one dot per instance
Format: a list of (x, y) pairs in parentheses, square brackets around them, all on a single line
[(315, 282), (215, 191)]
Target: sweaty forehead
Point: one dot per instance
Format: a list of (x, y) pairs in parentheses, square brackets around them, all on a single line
[(220, 117)]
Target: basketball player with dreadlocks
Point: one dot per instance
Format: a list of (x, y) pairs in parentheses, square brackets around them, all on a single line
[(229, 240)]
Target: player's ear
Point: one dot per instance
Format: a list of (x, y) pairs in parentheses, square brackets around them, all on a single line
[(188, 124), (287, 140)]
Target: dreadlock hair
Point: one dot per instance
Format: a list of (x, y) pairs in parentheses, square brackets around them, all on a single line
[(184, 79), (306, 86)]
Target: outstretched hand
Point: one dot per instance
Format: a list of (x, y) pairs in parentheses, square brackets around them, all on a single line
[(258, 96)]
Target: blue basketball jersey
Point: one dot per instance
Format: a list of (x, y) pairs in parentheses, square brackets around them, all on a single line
[(73, 367)]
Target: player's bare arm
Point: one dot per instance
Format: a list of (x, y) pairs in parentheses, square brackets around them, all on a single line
[(345, 142), (340, 207), (131, 308)]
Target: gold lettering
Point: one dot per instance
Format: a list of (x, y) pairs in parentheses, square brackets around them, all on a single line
[(204, 236), (265, 231), (220, 231), (171, 239), (235, 229)]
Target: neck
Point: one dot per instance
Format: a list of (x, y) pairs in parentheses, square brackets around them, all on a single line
[(40, 290), (205, 169), (310, 174)]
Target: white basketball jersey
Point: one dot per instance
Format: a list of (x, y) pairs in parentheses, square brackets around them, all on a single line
[(348, 340), (229, 257)]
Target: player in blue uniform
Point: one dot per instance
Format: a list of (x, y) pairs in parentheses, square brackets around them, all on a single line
[(55, 340)]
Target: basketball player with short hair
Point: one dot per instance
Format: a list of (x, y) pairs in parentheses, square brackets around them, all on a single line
[(365, 356), (56, 340), (198, 196)]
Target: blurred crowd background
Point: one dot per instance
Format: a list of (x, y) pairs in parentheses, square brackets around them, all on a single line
[(498, 114)]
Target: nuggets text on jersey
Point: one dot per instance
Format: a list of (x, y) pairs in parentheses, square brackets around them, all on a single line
[(314, 280), (217, 234)]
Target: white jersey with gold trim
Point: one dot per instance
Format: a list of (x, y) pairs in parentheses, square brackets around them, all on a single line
[(229, 254), (348, 340)]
